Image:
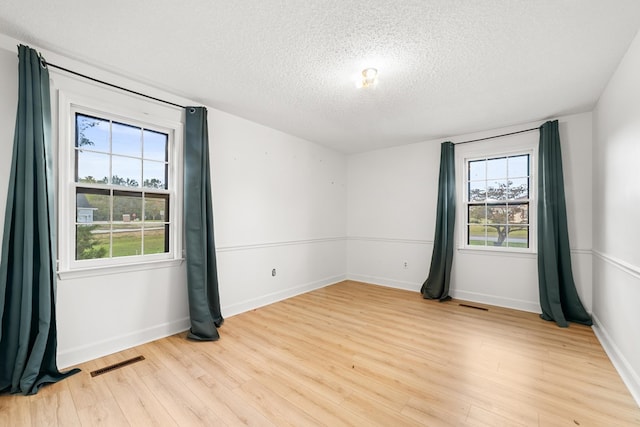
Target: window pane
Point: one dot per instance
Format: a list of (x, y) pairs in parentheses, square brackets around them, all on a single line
[(497, 190), (497, 214), (92, 167), (518, 237), (127, 208), (92, 241), (92, 133), (156, 239), (92, 206), (518, 189), (126, 140), (477, 170), (497, 235), (155, 145), (126, 240), (518, 166), (155, 174), (497, 168), (519, 214), (477, 191), (477, 214), (126, 172), (156, 208), (477, 235)]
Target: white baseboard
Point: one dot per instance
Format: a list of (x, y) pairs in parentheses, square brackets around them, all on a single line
[(624, 368), (383, 281), (251, 304), (533, 307), (98, 349)]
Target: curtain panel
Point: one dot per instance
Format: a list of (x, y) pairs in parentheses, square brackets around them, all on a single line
[(558, 296), (437, 284), (202, 275), (28, 337)]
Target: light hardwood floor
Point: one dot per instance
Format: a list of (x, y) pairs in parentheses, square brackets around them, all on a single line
[(350, 354)]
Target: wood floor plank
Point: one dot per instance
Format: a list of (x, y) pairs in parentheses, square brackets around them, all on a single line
[(65, 410), (273, 406), (103, 413), (136, 401), (15, 411), (324, 410), (481, 417), (437, 410), (184, 407), (226, 372), (376, 414), (228, 406), (87, 391), (171, 359)]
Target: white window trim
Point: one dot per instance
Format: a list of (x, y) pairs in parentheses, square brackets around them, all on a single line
[(80, 273), (68, 103), (499, 147)]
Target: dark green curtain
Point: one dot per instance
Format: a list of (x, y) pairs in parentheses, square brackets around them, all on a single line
[(558, 296), (202, 276), (28, 338), (437, 284)]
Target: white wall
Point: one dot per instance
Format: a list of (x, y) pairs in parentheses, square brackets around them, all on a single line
[(8, 106), (391, 219), (279, 202), (391, 214), (616, 194)]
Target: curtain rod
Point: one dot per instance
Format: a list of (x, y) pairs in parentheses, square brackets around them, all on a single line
[(49, 64), (497, 136)]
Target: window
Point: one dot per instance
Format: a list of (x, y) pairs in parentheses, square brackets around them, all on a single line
[(121, 187), (498, 201), (118, 192), (496, 191)]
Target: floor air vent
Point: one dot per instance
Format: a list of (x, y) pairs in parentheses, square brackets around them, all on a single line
[(116, 366), (473, 306)]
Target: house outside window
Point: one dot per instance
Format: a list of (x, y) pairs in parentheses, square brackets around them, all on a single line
[(84, 210)]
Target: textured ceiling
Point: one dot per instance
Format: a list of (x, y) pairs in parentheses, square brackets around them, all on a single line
[(446, 67)]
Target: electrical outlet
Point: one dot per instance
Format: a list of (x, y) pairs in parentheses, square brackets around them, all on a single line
[(405, 264), (273, 273)]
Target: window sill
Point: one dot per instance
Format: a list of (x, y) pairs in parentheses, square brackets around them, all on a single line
[(118, 269)]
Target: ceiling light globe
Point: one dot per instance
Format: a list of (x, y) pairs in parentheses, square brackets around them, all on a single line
[(370, 73)]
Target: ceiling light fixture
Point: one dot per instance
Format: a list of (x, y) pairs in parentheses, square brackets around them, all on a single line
[(369, 78)]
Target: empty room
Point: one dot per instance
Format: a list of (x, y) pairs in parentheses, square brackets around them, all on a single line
[(287, 213)]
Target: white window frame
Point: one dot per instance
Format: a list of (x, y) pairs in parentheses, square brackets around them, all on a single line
[(500, 147), (125, 112)]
